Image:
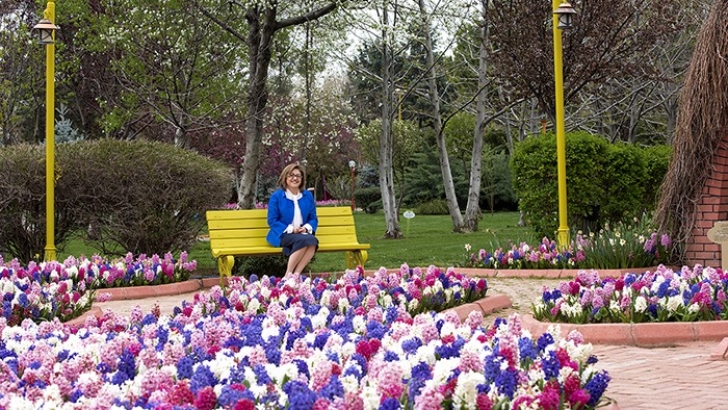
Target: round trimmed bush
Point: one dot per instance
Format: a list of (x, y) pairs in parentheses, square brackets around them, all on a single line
[(128, 196)]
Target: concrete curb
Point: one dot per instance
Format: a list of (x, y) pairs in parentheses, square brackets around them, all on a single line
[(487, 305), (641, 334), (79, 321), (142, 292)]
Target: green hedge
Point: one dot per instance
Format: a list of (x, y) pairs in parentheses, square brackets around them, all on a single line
[(126, 196), (604, 182)]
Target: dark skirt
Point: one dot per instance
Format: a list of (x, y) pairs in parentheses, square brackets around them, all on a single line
[(291, 242)]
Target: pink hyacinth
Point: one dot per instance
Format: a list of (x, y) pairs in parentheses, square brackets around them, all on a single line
[(587, 297), (450, 316), (470, 361), (276, 312), (353, 401), (625, 302), (390, 381), (550, 399), (429, 333), (376, 315), (400, 332), (579, 398), (474, 319), (430, 398), (515, 326), (257, 356), (321, 375)]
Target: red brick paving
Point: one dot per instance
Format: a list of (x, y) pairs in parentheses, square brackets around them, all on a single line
[(678, 377)]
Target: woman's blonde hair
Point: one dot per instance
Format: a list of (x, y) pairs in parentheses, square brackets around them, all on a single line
[(287, 171)]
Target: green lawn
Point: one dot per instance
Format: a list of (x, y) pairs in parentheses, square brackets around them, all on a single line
[(428, 240)]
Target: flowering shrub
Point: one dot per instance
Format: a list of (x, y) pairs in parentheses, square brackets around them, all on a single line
[(624, 247), (281, 344), (661, 296)]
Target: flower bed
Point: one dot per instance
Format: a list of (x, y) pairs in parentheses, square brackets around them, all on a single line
[(140, 271), (623, 246), (42, 291), (662, 295), (300, 344)]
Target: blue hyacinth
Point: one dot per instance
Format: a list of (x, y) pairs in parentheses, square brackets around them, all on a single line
[(544, 341), (300, 397), (596, 387)]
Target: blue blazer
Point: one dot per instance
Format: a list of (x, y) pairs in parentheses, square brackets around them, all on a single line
[(280, 214)]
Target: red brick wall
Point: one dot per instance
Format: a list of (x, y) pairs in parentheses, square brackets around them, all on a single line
[(712, 207)]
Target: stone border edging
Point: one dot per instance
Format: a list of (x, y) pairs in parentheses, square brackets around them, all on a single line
[(78, 321), (486, 305), (638, 334), (142, 292)]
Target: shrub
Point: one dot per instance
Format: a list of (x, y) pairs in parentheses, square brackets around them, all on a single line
[(656, 159), (149, 197), (433, 207), (368, 199), (622, 180), (604, 182), (23, 200), (143, 197), (271, 265)]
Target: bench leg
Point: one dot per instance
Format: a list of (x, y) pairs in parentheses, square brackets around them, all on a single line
[(225, 266), (355, 258)]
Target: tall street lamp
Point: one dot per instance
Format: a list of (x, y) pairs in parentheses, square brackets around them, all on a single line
[(45, 30), (352, 166), (562, 18)]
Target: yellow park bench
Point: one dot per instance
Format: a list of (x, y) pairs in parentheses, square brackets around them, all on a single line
[(242, 233)]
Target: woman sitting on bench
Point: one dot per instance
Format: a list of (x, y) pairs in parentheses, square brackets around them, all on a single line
[(292, 219)]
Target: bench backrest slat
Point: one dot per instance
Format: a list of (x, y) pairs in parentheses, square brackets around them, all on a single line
[(248, 228)]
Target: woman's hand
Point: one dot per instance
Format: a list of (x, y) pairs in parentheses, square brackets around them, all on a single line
[(300, 229)]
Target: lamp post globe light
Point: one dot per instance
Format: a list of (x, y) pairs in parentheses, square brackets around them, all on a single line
[(562, 20), (45, 30), (352, 166)]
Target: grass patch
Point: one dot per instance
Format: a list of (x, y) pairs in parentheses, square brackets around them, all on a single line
[(428, 240)]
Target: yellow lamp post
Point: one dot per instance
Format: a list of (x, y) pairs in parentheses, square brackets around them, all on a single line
[(562, 17), (46, 34)]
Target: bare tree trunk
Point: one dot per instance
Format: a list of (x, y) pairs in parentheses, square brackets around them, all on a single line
[(473, 212), (260, 38), (386, 168), (307, 84), (434, 95), (262, 27)]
